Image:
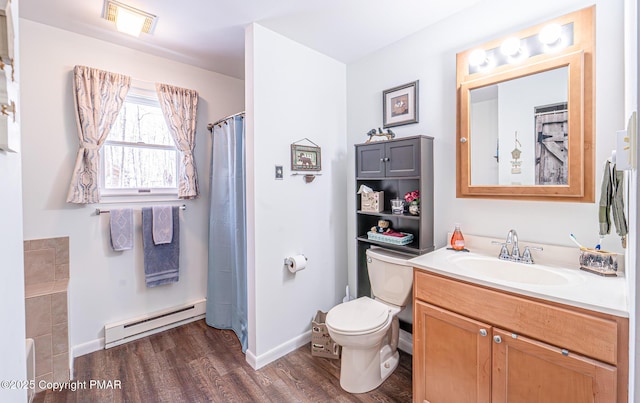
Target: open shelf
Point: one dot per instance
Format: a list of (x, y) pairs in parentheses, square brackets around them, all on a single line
[(389, 214)]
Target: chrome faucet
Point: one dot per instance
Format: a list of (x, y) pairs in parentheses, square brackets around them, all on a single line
[(512, 238), (514, 255)]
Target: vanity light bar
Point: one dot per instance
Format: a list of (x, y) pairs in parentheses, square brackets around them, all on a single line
[(514, 50)]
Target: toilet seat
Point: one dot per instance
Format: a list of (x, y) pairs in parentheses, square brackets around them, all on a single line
[(359, 316)]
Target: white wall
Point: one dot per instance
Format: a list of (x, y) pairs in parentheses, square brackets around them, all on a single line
[(106, 286), (293, 92), (430, 57), (12, 338)]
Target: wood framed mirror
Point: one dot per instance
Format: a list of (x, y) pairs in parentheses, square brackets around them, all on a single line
[(525, 114)]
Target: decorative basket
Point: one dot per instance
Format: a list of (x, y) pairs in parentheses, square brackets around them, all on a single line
[(395, 240), (322, 345)]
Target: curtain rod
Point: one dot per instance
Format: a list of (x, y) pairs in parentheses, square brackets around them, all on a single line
[(211, 125), (99, 211)]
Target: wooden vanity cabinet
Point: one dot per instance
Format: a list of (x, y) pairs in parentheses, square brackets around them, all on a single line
[(477, 344)]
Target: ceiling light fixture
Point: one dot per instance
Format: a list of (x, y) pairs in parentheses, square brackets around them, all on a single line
[(128, 19)]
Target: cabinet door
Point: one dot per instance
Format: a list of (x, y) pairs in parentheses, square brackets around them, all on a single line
[(451, 357), (526, 370), (370, 161), (402, 158)]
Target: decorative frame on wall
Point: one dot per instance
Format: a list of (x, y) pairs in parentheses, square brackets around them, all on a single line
[(305, 158), (400, 105)]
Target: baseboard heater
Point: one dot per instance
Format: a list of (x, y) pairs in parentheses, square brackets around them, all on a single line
[(145, 325)]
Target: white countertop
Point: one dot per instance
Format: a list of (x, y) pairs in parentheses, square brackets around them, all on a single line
[(580, 289)]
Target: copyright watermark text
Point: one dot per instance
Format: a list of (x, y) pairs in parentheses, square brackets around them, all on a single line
[(59, 386)]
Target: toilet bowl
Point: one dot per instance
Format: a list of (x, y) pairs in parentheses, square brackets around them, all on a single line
[(368, 328)]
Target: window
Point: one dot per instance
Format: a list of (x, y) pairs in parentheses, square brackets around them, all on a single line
[(139, 156)]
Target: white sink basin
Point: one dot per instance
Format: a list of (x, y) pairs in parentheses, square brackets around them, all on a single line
[(560, 280), (507, 271)]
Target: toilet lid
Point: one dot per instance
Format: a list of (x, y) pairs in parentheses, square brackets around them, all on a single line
[(359, 315)]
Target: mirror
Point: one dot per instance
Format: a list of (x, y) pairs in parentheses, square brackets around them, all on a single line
[(525, 116)]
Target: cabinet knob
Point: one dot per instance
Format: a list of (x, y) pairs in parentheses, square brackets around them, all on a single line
[(483, 332), (497, 339), (463, 139)]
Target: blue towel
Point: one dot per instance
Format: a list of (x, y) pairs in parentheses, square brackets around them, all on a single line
[(161, 262), (121, 229)]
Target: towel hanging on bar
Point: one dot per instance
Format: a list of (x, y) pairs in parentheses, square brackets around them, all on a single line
[(121, 229)]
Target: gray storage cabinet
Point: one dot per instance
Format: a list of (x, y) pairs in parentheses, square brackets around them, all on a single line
[(395, 167)]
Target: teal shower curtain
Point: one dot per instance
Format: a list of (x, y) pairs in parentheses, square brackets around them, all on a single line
[(227, 282)]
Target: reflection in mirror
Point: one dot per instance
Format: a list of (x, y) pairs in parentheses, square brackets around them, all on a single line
[(520, 131)]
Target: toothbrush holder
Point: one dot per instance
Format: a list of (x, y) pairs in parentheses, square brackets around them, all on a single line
[(599, 262)]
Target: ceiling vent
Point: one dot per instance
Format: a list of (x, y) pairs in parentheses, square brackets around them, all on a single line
[(123, 15)]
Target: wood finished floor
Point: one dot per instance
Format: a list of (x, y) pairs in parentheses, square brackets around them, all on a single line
[(196, 363)]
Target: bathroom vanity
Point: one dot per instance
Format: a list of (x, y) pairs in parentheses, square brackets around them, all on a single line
[(536, 333)]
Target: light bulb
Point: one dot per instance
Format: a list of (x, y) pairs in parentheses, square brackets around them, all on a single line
[(550, 34), (510, 47), (478, 57)]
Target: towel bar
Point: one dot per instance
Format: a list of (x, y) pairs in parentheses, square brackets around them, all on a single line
[(98, 211)]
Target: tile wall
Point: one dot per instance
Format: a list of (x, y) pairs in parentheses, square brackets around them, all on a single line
[(46, 271)]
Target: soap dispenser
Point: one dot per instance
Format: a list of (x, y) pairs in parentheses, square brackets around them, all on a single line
[(457, 240)]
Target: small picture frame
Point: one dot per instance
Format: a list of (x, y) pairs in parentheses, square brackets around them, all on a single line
[(400, 105), (305, 158)]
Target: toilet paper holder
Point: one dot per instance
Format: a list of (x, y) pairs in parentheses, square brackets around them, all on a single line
[(296, 263), (289, 262)]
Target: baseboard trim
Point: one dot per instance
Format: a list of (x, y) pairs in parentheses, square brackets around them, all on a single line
[(88, 347), (283, 349), (405, 342)]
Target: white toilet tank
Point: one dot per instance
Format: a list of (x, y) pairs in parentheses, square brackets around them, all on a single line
[(390, 275)]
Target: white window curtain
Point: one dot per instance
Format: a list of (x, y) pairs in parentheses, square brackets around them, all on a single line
[(179, 106), (99, 96)]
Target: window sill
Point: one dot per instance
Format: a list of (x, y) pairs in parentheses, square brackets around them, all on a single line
[(139, 198)]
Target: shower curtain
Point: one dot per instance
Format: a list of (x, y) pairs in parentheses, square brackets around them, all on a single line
[(227, 281)]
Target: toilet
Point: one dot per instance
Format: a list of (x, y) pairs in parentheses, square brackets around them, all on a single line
[(368, 328)]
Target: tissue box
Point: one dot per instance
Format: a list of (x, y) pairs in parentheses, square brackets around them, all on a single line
[(322, 345), (372, 202)]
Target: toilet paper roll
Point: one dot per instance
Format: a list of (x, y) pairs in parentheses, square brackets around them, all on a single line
[(296, 263)]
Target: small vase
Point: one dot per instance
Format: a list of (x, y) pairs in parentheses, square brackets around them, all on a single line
[(414, 208)]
